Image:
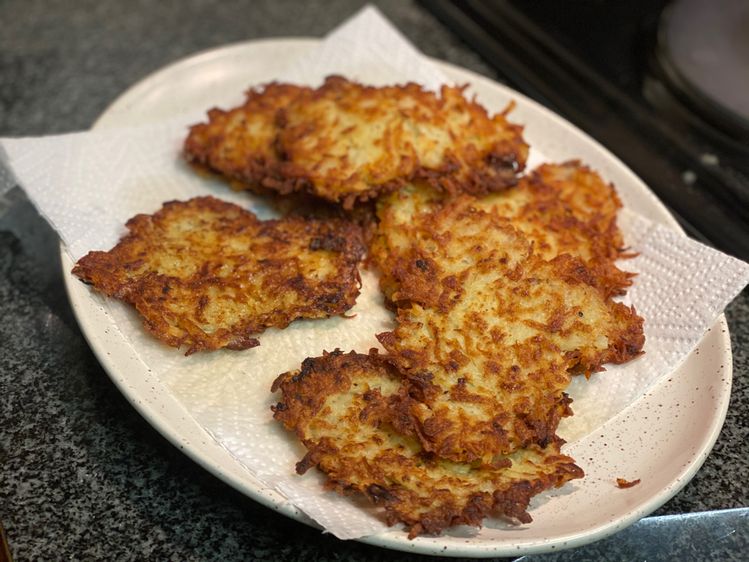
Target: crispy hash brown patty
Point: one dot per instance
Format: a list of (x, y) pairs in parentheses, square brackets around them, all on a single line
[(206, 274), (488, 333), (561, 208), (568, 208), (339, 405), (346, 142)]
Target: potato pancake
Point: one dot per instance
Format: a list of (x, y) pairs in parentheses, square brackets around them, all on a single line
[(568, 208), (339, 406), (561, 208), (345, 142), (352, 142), (488, 333), (206, 274), (241, 143)]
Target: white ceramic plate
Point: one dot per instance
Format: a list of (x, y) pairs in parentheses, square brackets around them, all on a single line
[(655, 438)]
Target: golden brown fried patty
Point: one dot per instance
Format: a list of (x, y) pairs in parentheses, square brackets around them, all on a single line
[(561, 208), (488, 333), (568, 208), (346, 142), (339, 406), (352, 142), (206, 274), (241, 143)]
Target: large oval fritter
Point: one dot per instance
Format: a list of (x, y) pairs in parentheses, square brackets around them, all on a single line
[(340, 406), (206, 274), (347, 142)]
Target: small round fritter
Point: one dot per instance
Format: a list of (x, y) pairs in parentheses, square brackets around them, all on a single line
[(240, 143), (488, 333), (341, 407), (206, 274)]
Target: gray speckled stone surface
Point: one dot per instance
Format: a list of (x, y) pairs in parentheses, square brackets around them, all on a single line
[(82, 476)]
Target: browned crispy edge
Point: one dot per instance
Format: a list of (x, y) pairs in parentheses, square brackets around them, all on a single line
[(630, 341)]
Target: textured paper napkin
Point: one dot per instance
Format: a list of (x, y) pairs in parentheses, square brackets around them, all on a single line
[(88, 184)]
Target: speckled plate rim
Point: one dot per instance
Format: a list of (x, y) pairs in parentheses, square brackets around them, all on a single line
[(686, 442)]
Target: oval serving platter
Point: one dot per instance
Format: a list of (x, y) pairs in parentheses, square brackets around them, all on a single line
[(669, 451)]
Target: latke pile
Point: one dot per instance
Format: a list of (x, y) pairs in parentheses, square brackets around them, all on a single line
[(501, 284)]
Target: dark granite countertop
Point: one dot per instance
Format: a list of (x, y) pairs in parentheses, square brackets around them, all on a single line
[(82, 475)]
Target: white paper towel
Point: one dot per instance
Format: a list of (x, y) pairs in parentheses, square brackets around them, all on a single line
[(88, 184)]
